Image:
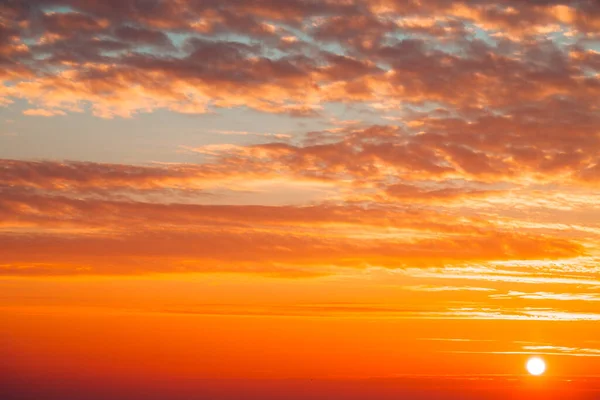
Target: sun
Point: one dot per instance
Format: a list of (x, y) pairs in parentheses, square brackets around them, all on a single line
[(536, 366)]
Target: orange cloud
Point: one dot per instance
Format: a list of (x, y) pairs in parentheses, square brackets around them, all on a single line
[(94, 54), (108, 237), (38, 112)]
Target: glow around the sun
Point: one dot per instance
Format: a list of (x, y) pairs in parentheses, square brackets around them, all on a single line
[(536, 366)]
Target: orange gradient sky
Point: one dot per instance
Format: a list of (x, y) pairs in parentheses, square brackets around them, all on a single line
[(301, 198)]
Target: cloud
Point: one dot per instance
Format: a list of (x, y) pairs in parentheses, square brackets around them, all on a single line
[(70, 215), (518, 315), (548, 296), (246, 133), (563, 350), (370, 311), (101, 246), (510, 273), (43, 113), (411, 192), (122, 59), (482, 104), (425, 288), (55, 175)]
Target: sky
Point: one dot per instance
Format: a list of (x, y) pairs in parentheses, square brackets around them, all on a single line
[(299, 199)]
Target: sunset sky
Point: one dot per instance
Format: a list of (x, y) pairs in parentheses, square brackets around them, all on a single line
[(239, 199)]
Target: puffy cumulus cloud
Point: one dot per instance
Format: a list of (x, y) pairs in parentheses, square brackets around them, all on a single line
[(124, 57), (476, 146)]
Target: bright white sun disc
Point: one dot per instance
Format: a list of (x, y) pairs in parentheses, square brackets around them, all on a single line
[(536, 366)]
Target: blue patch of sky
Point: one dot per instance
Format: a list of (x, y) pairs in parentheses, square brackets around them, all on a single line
[(177, 38), (236, 38), (327, 46), (448, 47), (57, 9), (333, 47), (299, 33), (591, 44), (180, 39), (561, 38), (481, 34), (115, 54), (29, 41), (432, 42), (397, 36), (267, 50), (426, 106), (589, 72)]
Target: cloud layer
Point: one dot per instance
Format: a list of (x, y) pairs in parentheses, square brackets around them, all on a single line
[(469, 153)]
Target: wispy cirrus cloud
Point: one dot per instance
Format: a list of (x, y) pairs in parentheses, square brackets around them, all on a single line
[(488, 273), (548, 296), (431, 288), (563, 350)]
